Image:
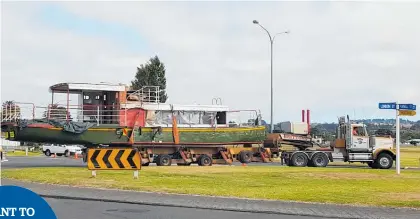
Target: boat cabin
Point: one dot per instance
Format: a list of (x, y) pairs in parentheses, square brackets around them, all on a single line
[(117, 104)]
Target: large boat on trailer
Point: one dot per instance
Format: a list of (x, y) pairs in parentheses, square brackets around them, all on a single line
[(113, 115)]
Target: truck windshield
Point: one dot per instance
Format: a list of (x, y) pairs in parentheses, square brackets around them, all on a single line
[(359, 131)]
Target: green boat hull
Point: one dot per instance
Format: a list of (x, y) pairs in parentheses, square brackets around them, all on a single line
[(121, 135)]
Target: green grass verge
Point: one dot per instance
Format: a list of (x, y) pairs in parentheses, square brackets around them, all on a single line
[(22, 153), (326, 185)]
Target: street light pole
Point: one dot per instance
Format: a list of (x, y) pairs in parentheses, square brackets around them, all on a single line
[(271, 70)]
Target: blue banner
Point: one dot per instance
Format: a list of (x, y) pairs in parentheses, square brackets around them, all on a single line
[(18, 202)]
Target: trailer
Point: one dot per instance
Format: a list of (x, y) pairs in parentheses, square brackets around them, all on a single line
[(299, 150)]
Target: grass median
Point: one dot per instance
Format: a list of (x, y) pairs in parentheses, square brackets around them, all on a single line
[(22, 153), (326, 185)]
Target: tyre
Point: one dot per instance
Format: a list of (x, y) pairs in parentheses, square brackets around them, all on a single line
[(145, 164), (245, 156), (310, 163), (319, 160), (372, 165), (164, 160), (299, 159), (67, 153), (205, 160), (47, 153), (384, 161)]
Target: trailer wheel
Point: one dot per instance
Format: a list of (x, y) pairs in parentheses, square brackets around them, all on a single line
[(299, 159), (163, 160), (245, 156), (319, 160), (205, 160), (384, 161)]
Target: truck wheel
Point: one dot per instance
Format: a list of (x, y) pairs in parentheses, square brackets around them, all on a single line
[(164, 160), (66, 153), (47, 153), (205, 160), (384, 161), (145, 164), (245, 156), (299, 159), (372, 165), (319, 160)]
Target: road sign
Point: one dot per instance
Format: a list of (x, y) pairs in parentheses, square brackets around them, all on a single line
[(407, 106), (387, 106), (407, 112), (113, 159)]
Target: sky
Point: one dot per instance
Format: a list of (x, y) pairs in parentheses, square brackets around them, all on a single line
[(339, 58)]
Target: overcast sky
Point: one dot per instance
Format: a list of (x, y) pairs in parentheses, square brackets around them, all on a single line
[(339, 58)]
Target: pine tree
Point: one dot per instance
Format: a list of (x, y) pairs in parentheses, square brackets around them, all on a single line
[(151, 74)]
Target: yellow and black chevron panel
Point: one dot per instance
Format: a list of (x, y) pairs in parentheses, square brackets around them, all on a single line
[(113, 159)]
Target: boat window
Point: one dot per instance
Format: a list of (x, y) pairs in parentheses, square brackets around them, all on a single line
[(208, 117), (163, 117), (221, 117), (189, 118)]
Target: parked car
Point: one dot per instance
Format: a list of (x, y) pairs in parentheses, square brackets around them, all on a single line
[(59, 150)]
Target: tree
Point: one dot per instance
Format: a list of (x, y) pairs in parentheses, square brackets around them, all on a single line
[(56, 112), (151, 74), (10, 111)]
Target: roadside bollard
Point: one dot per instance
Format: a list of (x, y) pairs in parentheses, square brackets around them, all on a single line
[(3, 156)]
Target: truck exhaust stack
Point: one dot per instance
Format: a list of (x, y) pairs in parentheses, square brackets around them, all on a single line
[(308, 121)]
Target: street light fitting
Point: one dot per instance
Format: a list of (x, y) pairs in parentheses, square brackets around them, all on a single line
[(255, 21)]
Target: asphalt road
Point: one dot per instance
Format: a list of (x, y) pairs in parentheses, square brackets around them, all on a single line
[(41, 161), (76, 209), (94, 203)]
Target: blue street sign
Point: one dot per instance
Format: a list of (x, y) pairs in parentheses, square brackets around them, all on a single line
[(407, 106), (387, 106)]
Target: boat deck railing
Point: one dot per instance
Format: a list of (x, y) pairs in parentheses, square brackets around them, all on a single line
[(13, 111), (149, 94), (120, 115)]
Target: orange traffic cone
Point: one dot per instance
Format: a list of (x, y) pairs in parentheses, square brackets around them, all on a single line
[(54, 156), (75, 156)]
